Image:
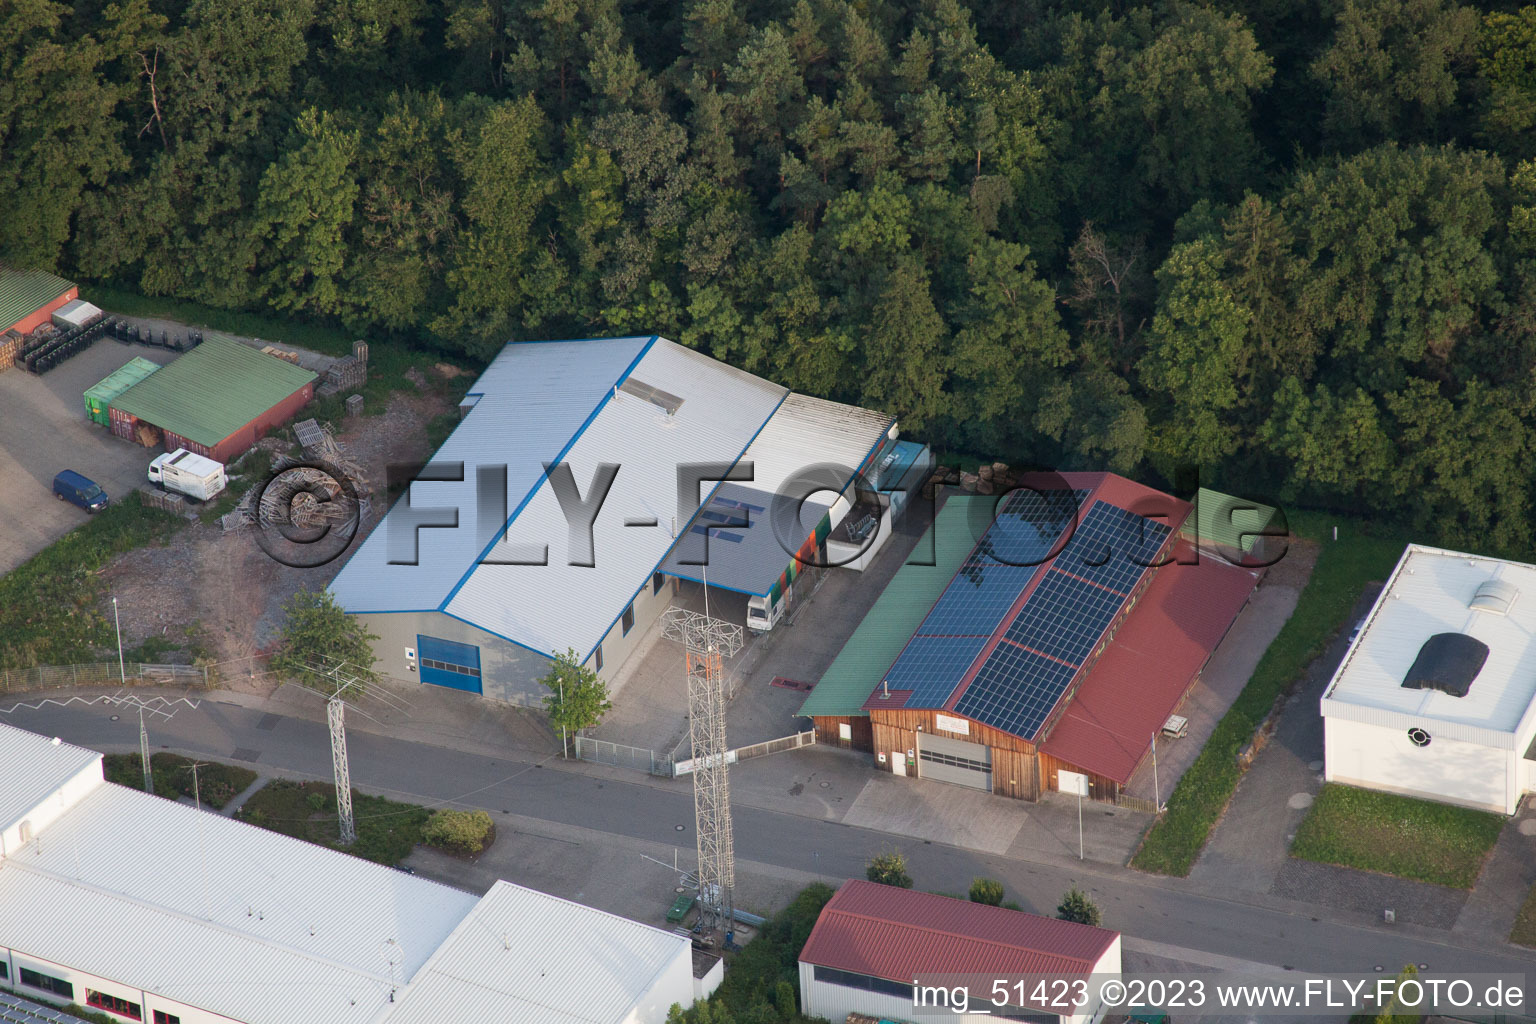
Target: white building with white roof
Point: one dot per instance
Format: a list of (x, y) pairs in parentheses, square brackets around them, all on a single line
[(149, 910), (476, 578), (1436, 697)]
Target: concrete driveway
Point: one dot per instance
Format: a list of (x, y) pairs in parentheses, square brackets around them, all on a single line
[(43, 429)]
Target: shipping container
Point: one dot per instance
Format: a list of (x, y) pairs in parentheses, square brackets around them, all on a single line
[(99, 398)]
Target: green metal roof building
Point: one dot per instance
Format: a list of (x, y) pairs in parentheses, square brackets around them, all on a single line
[(1229, 525), (28, 297), (216, 400), (873, 647), (98, 399)]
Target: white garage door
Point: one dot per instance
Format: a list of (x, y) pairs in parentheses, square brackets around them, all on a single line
[(954, 761)]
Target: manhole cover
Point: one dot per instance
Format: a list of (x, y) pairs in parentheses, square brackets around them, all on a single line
[(114, 718), (678, 827), (1299, 801), (678, 889), (828, 785), (1315, 766)]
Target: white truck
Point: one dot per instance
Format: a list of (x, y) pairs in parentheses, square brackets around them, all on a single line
[(188, 473)]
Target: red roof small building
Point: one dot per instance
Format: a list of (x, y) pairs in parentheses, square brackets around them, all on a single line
[(873, 942)]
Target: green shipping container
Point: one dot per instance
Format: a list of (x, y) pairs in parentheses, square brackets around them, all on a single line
[(99, 398)]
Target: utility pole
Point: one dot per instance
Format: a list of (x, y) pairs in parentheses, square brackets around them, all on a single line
[(149, 776), (335, 714), (122, 672), (706, 643)]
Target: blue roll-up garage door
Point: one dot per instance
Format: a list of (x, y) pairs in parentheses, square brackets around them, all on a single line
[(445, 663)]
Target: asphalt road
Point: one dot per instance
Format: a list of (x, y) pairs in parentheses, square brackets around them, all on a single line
[(1176, 912)]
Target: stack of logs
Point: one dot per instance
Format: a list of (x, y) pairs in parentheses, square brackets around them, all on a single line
[(996, 478)]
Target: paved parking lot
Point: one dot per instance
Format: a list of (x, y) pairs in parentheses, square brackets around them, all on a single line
[(43, 429)]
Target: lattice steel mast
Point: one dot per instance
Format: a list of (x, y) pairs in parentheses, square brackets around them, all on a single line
[(336, 717), (706, 643)]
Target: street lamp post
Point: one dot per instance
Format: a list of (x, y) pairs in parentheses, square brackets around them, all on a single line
[(563, 754), (122, 674)]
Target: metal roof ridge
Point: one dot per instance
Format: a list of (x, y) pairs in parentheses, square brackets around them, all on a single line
[(569, 444), (157, 908)]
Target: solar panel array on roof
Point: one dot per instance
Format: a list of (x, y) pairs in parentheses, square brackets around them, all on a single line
[(1082, 591), (1028, 528)]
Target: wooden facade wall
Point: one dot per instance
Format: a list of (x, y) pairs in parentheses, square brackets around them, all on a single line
[(1014, 768), (1100, 787), (828, 733)]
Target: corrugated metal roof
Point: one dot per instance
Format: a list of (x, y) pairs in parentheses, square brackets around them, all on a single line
[(121, 379), (1431, 591), (552, 607), (534, 400), (898, 934), (1166, 639), (528, 957), (34, 769), (213, 391), (1229, 522), (206, 910), (24, 292), (804, 434), (901, 607)]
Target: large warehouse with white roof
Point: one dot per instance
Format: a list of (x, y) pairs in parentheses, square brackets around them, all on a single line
[(1437, 696), (477, 580), (158, 912)]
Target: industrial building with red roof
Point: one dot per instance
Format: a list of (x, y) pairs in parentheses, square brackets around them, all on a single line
[(1063, 642), (873, 942)]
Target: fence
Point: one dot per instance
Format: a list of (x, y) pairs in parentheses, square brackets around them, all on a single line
[(1135, 803), (621, 755), (100, 673), (801, 739)]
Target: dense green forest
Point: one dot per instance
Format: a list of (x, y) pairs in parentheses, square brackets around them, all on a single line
[(1289, 242)]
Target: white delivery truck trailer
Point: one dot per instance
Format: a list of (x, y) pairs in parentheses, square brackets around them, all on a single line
[(187, 473)]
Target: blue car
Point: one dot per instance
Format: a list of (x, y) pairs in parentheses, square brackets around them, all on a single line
[(77, 490)]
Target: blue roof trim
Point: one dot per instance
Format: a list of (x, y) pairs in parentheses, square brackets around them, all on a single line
[(607, 397), (684, 532), (499, 636), (885, 435)]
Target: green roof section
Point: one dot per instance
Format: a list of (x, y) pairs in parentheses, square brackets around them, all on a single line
[(901, 607), (24, 292), (212, 391), (98, 398), (1233, 523)]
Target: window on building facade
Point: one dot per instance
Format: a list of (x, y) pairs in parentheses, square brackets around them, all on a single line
[(112, 1004), (657, 582), (848, 979), (47, 983), (628, 620), (161, 1017), (597, 659)]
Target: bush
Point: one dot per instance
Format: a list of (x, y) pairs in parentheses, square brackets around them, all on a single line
[(217, 784), (463, 832), (987, 890), (889, 869), (1076, 906)]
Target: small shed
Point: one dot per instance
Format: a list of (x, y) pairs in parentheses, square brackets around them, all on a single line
[(98, 399), (29, 297), (217, 400)]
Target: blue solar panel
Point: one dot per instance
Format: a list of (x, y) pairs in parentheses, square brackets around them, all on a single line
[(1030, 525), (1064, 618), (930, 666), (1112, 547), (1014, 690), (976, 599)]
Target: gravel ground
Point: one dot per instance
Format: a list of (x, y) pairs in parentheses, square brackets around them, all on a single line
[(223, 590)]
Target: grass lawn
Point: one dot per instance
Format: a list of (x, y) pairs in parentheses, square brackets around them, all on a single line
[(1397, 835), (217, 784), (387, 831), (48, 605), (1525, 923), (1343, 569)]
